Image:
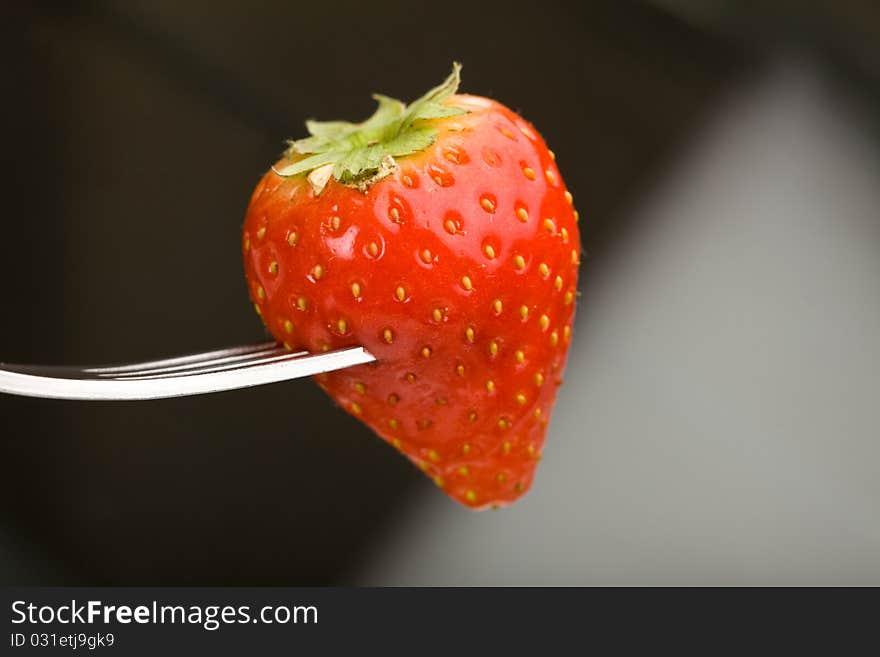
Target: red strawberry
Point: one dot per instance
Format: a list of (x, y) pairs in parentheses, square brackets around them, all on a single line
[(441, 237)]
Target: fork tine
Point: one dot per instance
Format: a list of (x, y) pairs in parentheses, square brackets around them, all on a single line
[(182, 360), (220, 365), (194, 365)]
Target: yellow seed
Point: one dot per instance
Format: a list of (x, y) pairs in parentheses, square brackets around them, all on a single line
[(544, 321), (472, 416), (317, 272), (407, 181), (557, 282), (487, 204), (360, 387), (469, 333), (288, 326), (302, 303), (529, 173), (438, 481), (524, 312), (470, 496), (554, 338), (568, 197), (259, 310), (393, 399), (574, 257), (502, 423), (400, 293), (388, 336), (564, 233), (396, 442), (466, 449), (261, 293), (464, 471), (549, 226), (441, 401), (505, 447), (335, 222), (288, 346), (530, 450), (356, 408), (551, 154), (568, 298), (576, 215), (500, 477), (522, 215), (539, 379), (544, 270), (426, 256), (410, 377), (497, 306), (566, 333), (466, 283), (394, 213), (521, 399), (373, 249), (437, 314), (247, 243), (518, 487), (493, 348), (507, 133), (489, 251), (325, 347), (519, 262), (426, 352), (459, 369), (356, 290), (450, 226), (551, 177), (342, 325), (261, 233), (292, 238), (490, 386), (433, 455), (273, 268), (520, 356), (393, 423)]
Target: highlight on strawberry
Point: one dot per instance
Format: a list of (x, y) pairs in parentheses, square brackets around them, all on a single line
[(440, 236)]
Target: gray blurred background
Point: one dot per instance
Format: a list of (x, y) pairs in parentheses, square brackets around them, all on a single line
[(720, 422)]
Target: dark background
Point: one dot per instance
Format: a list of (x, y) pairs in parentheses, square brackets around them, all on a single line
[(134, 134)]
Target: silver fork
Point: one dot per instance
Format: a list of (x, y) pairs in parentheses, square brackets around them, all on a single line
[(197, 374)]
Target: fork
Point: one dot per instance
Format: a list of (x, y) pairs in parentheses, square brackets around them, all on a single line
[(196, 374)]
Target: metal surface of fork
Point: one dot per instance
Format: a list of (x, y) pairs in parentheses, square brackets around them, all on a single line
[(213, 371)]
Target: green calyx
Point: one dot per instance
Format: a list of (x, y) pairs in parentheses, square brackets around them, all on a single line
[(359, 154)]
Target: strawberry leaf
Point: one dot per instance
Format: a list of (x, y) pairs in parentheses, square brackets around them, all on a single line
[(411, 141), (358, 161), (431, 110), (389, 109), (362, 153), (330, 129), (309, 163)]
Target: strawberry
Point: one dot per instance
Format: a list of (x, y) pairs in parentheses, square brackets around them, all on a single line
[(440, 236)]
